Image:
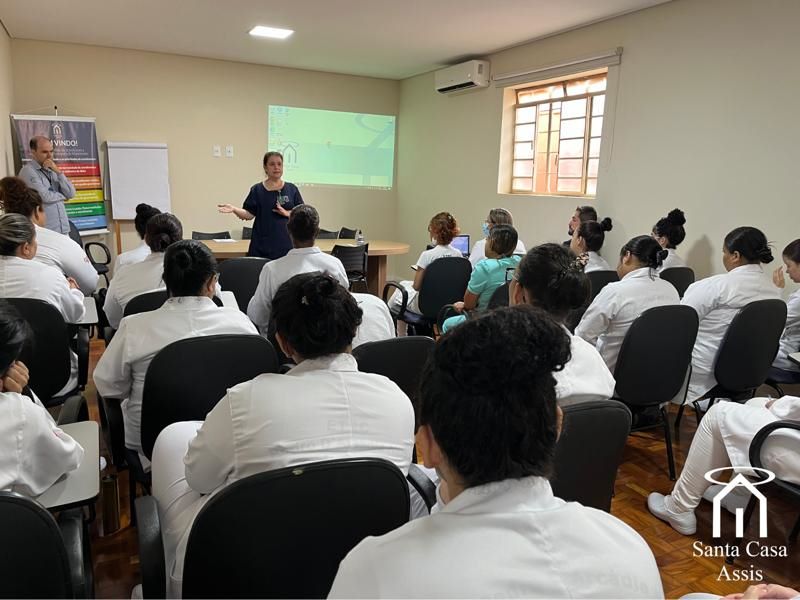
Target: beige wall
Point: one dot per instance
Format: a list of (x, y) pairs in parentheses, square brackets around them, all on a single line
[(705, 121), (6, 101), (192, 104)]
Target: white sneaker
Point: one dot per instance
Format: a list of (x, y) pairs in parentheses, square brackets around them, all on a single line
[(737, 498), (684, 523)]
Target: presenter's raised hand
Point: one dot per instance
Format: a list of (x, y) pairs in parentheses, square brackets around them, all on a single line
[(51, 164)]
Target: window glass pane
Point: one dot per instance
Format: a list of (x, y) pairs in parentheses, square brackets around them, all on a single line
[(523, 150), (554, 142), (522, 185), (571, 149), (544, 116), (524, 133), (591, 186), (523, 168), (570, 168), (541, 161), (597, 84), (541, 142), (573, 128), (594, 147), (555, 121), (592, 167), (569, 185), (556, 91), (577, 87), (573, 108), (597, 126), (598, 105), (526, 114)]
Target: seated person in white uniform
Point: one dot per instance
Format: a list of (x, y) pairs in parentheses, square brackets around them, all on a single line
[(588, 238), (489, 426), (304, 257), (618, 304), (34, 452), (552, 278), (723, 439), (142, 251), (376, 322), (190, 274), (162, 231), (323, 409), (497, 216), (669, 233), (53, 248), (783, 369), (718, 298)]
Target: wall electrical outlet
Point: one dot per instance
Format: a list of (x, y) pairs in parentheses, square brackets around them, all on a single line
[(228, 151), (216, 151)]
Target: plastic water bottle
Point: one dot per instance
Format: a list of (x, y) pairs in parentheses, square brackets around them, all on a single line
[(359, 238)]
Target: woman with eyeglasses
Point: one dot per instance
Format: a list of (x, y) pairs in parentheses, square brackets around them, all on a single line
[(497, 216)]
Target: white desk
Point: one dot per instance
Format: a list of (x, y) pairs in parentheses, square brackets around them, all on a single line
[(795, 357), (90, 315), (81, 486)]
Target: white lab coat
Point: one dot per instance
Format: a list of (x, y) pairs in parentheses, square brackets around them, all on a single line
[(277, 272), (672, 260), (478, 252), (790, 340), (34, 452), (21, 278), (323, 409), (617, 306), (508, 539), (596, 263), (585, 376), (134, 279), (376, 322), (717, 299), (131, 257), (61, 251), (121, 369)]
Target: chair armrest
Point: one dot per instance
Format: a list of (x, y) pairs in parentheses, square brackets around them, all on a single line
[(102, 247), (76, 543), (113, 428), (403, 291), (424, 486), (75, 409), (444, 313), (151, 548), (761, 437)]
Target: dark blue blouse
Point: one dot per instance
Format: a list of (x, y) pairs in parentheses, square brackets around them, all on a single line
[(270, 238)]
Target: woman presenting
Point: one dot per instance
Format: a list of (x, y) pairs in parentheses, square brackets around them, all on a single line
[(269, 203)]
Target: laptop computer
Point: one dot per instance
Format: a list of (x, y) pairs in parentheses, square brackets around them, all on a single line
[(461, 243)]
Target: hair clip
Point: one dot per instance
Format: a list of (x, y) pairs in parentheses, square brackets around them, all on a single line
[(580, 262), (304, 300)]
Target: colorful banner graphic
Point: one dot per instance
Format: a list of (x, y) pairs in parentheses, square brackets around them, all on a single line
[(75, 151)]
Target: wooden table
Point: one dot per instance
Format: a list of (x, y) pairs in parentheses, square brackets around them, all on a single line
[(81, 486), (376, 260)]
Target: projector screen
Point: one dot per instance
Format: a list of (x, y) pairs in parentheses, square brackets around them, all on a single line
[(327, 147)]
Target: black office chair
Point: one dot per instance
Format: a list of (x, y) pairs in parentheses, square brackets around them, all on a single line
[(240, 276), (325, 234), (279, 534), (152, 301), (445, 282), (499, 298), (777, 378), (217, 235), (75, 234), (400, 359), (423, 485), (680, 277), (101, 266), (652, 364), (347, 234), (745, 354), (597, 281), (247, 233), (47, 353), (41, 557), (354, 259), (589, 452)]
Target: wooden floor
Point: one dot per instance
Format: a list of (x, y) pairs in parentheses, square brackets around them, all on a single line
[(116, 561)]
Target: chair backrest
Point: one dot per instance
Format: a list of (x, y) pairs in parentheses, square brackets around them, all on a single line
[(680, 277), (445, 282), (499, 297), (589, 451), (75, 235), (47, 354), (175, 391), (655, 355), (283, 533), (354, 258), (324, 234), (750, 345), (33, 559), (400, 359), (240, 276), (145, 302), (599, 280), (217, 235), (247, 233), (349, 234)]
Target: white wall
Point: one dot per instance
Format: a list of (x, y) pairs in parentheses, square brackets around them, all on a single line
[(705, 121), (6, 101)]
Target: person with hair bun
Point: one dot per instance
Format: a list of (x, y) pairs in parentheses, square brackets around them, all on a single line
[(304, 257), (588, 238), (669, 233), (489, 425), (143, 214), (718, 298), (323, 409), (190, 274), (161, 232), (618, 304), (52, 248), (34, 452), (784, 370), (552, 278), (497, 216)]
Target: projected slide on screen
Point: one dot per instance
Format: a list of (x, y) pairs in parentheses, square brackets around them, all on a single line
[(327, 147)]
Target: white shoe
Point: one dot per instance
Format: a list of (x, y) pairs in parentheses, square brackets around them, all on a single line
[(737, 498), (136, 593), (684, 523)]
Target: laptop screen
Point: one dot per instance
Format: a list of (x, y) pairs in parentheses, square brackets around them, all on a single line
[(461, 243)]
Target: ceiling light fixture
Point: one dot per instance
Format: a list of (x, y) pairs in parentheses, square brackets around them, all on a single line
[(270, 32)]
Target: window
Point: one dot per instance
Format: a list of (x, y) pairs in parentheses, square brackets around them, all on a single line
[(557, 129)]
